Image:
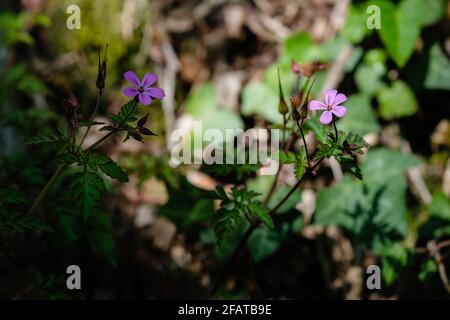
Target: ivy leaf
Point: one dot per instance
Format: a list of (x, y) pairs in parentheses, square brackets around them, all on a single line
[(87, 188), (360, 117), (438, 76), (400, 28), (394, 259), (355, 27), (397, 101), (108, 167)]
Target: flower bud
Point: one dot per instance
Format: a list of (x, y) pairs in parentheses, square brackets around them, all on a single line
[(70, 104), (101, 72), (296, 115), (309, 69), (295, 68), (296, 101), (282, 105)]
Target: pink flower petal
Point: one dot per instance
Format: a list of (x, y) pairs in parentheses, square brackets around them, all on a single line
[(157, 93), (326, 117), (339, 99), (317, 105), (144, 99), (130, 91), (149, 79), (339, 111), (330, 95), (132, 77)]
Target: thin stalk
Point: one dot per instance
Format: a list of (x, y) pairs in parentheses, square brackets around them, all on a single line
[(304, 143), (335, 129), (92, 117), (275, 181), (44, 191)]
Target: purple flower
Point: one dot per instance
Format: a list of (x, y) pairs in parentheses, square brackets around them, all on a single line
[(143, 88), (332, 106)]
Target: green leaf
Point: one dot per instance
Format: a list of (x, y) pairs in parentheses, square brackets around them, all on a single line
[(431, 11), (397, 101), (225, 223), (260, 211), (202, 104), (302, 48), (87, 188), (229, 219), (394, 259), (200, 99), (328, 148), (427, 269), (360, 117), (21, 222), (128, 113), (108, 166), (373, 212), (438, 223), (355, 28), (400, 28), (369, 73), (438, 72), (381, 163), (262, 184), (101, 238), (43, 138), (258, 98)]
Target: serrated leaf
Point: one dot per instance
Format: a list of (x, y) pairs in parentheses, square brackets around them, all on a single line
[(43, 138), (260, 211), (108, 167), (128, 113), (225, 222), (87, 189)]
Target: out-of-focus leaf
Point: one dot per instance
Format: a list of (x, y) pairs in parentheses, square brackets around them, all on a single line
[(427, 269), (400, 28), (438, 73), (372, 211), (258, 98), (108, 167), (397, 101), (360, 117), (355, 28), (394, 259), (438, 223)]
